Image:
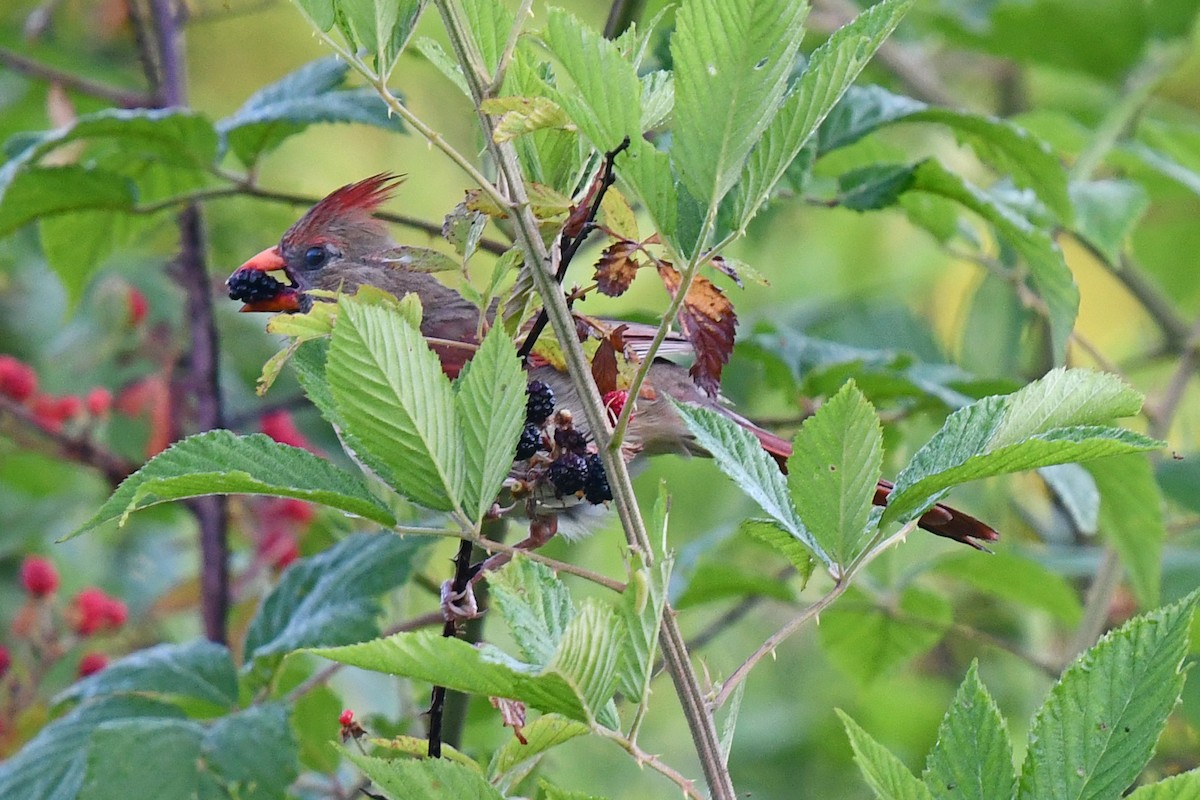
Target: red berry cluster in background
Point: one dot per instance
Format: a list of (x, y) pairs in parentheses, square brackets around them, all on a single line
[(46, 631), (19, 383), (281, 427)]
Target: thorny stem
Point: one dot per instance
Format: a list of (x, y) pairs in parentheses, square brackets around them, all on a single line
[(687, 785), (539, 263), (437, 700)]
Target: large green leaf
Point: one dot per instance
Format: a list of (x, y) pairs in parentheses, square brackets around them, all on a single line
[(253, 754), (309, 95), (1016, 579), (884, 773), (545, 732), (35, 193), (739, 455), (1177, 787), (490, 398), (972, 758), (221, 462), (1053, 420), (1106, 213), (425, 779), (380, 27), (741, 51), (1098, 727), (535, 604), (200, 669), (331, 598), (1131, 519), (831, 69), (394, 399), (641, 610), (167, 762), (867, 640), (836, 459)]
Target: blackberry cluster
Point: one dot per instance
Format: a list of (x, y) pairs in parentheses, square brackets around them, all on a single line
[(570, 440), (530, 441), (252, 286), (540, 403), (595, 486), (568, 473)]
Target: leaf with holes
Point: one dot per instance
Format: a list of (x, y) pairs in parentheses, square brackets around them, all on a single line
[(708, 321), (617, 268)]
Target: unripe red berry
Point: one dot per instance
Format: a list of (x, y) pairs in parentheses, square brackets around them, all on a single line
[(38, 576), (346, 718), (279, 548), (296, 511), (5, 661), (91, 663), (280, 426), (47, 412), (98, 401), (18, 381), (614, 402), (116, 613), (92, 610), (137, 305), (70, 407)]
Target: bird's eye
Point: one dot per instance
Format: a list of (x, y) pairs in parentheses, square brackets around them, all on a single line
[(315, 257)]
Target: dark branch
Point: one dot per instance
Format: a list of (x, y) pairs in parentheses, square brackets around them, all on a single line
[(125, 98), (437, 699), (77, 448)]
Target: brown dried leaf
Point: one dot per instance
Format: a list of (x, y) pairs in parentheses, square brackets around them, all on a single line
[(512, 714), (708, 320), (604, 367), (616, 268)]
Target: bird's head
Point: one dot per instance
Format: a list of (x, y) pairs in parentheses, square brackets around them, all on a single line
[(337, 237)]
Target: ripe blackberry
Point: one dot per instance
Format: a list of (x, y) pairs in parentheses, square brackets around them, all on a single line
[(570, 440), (595, 487), (568, 473), (540, 403), (530, 441), (252, 286)]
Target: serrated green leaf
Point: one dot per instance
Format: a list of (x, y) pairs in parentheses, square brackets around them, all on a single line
[(837, 456), (382, 27), (589, 652), (1048, 272), (972, 759), (221, 462), (200, 669), (641, 610), (1075, 490), (435, 54), (874, 187), (1053, 420), (741, 51), (544, 733), (831, 69), (36, 193), (392, 396), (521, 115), (1106, 213), (490, 400), (1019, 580), (51, 765), (309, 95), (535, 604), (426, 779), (1098, 727), (866, 640), (776, 537), (331, 598), (78, 243), (551, 792), (488, 24), (457, 665), (1177, 787), (739, 455), (658, 97), (167, 764), (252, 754), (884, 773), (418, 747), (1131, 519)]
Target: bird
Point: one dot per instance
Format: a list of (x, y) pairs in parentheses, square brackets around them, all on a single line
[(340, 245)]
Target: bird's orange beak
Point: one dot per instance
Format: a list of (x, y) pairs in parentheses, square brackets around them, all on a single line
[(286, 298)]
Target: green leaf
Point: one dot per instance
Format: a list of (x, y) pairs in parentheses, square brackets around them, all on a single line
[(426, 779), (551, 792), (535, 604), (739, 455), (1017, 579), (52, 764), (252, 754), (488, 24), (331, 598), (1177, 787), (391, 394), (457, 665), (712, 581), (1053, 420), (167, 762), (490, 400), (382, 27), (521, 115), (221, 462), (884, 773), (1131, 519), (972, 759), (837, 456), (1098, 727), (589, 652), (544, 733), (1048, 271), (309, 95), (198, 669), (1075, 489), (1179, 479), (867, 640), (874, 187), (771, 534), (35, 193), (641, 610), (1106, 213), (741, 51), (831, 69)]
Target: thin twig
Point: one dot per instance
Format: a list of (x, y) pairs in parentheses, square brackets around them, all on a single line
[(125, 98), (554, 564), (687, 785), (510, 46)]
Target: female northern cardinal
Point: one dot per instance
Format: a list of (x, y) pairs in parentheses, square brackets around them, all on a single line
[(338, 246)]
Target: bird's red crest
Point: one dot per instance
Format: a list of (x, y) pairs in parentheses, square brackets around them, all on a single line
[(355, 201)]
